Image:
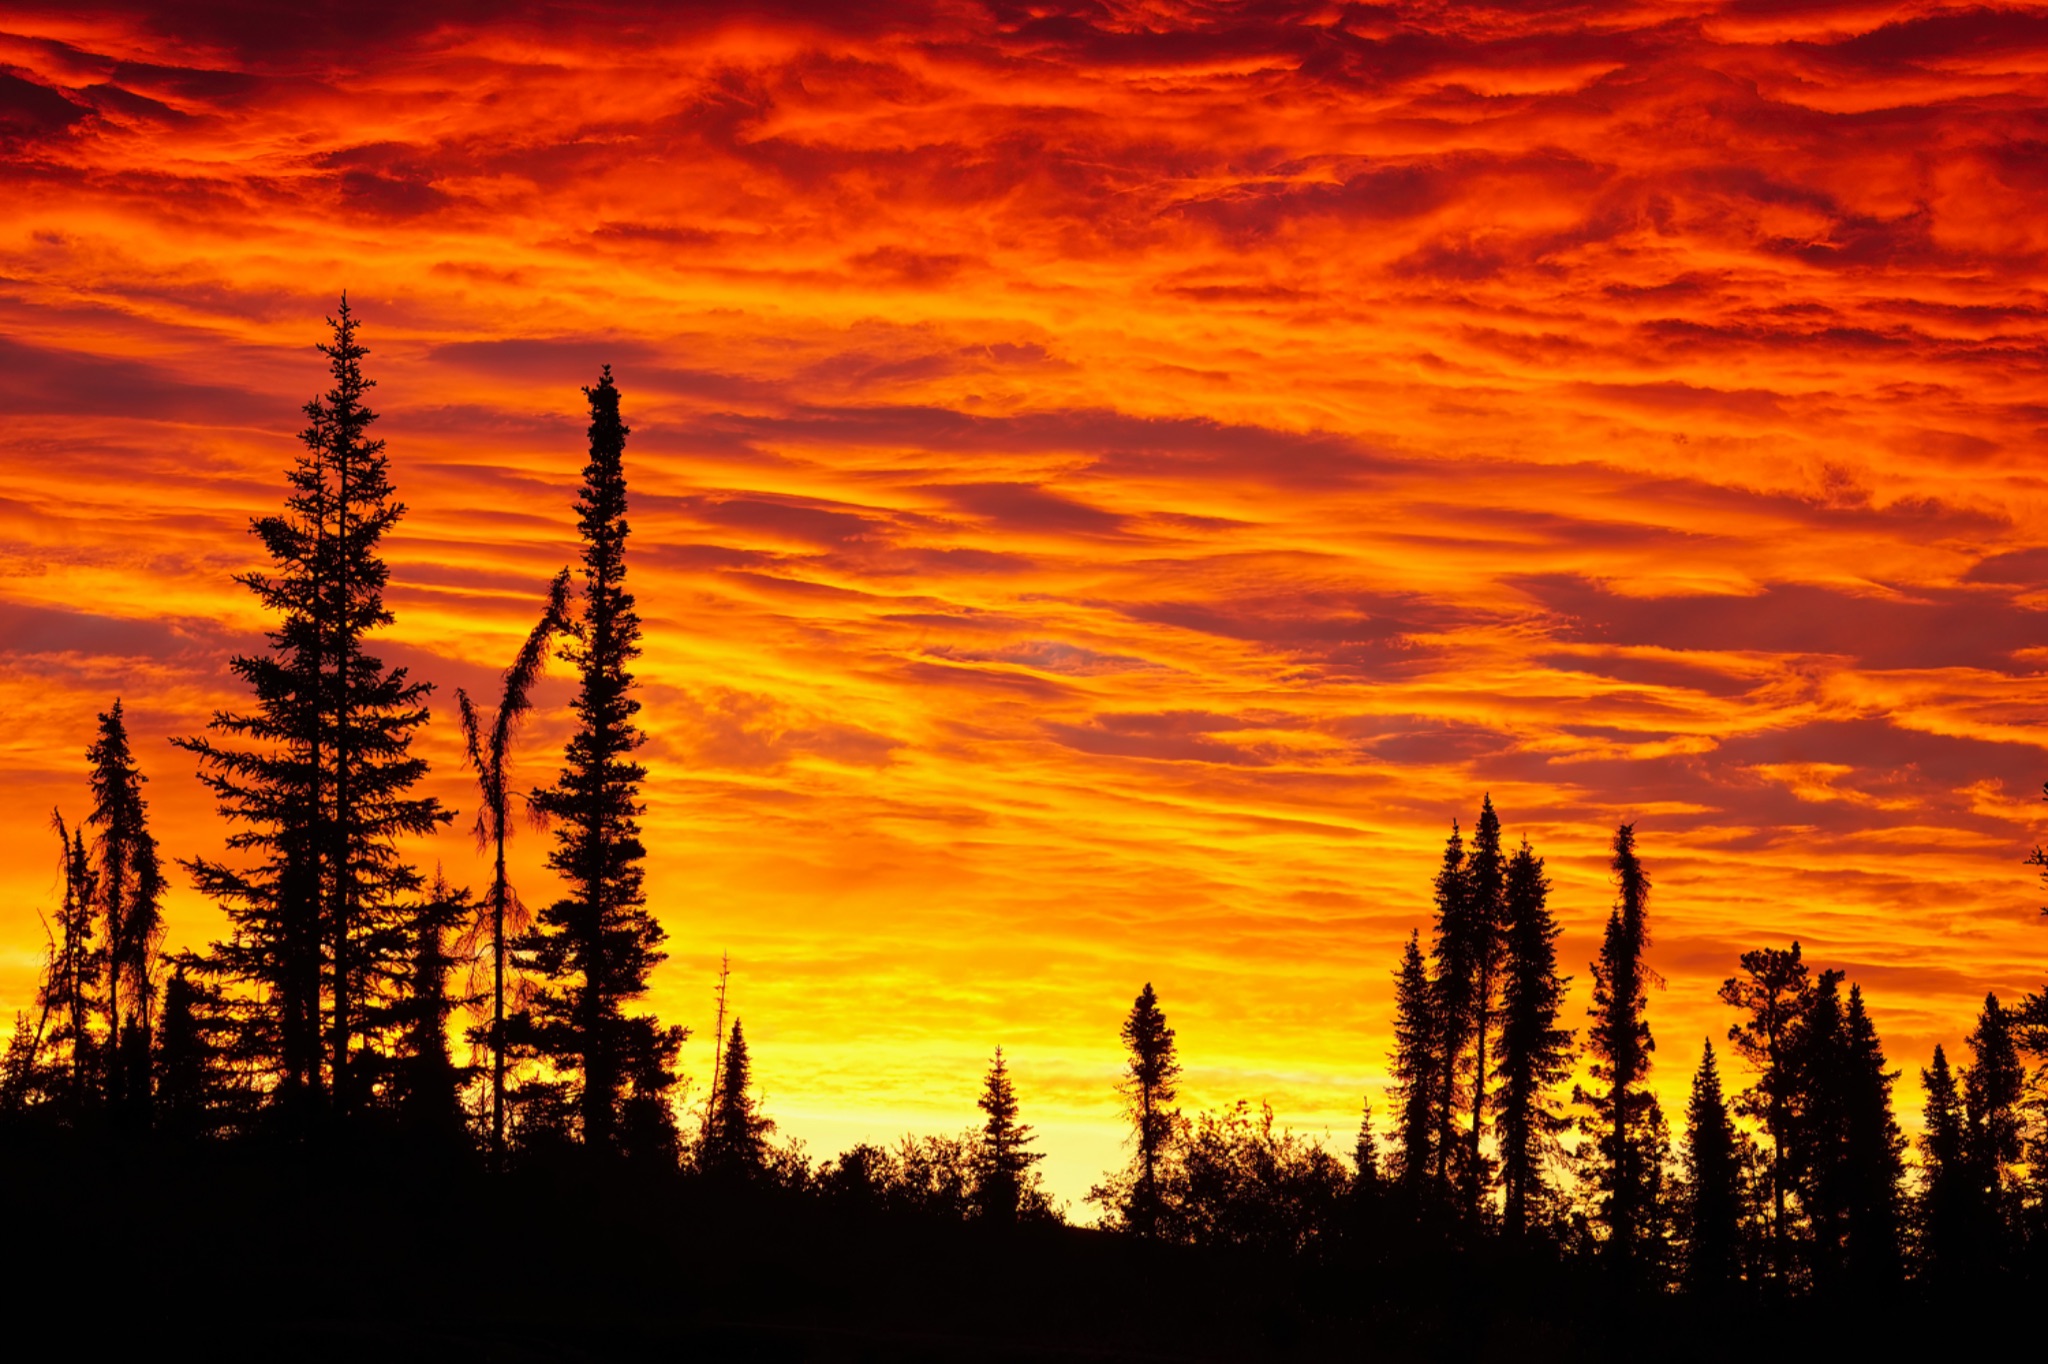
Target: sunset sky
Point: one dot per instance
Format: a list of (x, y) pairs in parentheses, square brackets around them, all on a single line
[(1110, 484)]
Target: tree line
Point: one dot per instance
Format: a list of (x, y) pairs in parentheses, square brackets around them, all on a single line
[(320, 1026)]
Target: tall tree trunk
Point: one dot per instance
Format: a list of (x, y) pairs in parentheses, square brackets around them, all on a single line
[(498, 890), (1480, 1018)]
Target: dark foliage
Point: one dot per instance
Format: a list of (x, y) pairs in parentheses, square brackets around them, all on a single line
[(1713, 1194), (1414, 1065), (320, 789), (1772, 992), (130, 887), (1624, 1122), (1535, 1053), (592, 950), (1006, 1182), (1151, 1074), (735, 1144)]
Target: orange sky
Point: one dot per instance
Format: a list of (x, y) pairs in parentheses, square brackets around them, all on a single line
[(1111, 482)]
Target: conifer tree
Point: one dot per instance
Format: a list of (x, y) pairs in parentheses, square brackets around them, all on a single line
[(1992, 1089), (1415, 1062), (1873, 1156), (70, 994), (1453, 981), (1713, 1186), (1535, 1053), (21, 1068), (323, 793), (1947, 1203), (1817, 1139), (130, 886), (594, 948), (490, 758), (50, 1067), (1624, 1118), (195, 1098), (1366, 1182), (735, 1143), (1485, 919), (1773, 992), (1149, 1086), (1006, 1157), (425, 1081), (1368, 1187)]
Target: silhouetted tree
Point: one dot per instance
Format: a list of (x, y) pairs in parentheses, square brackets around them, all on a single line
[(1006, 1157), (1713, 1186), (425, 1082), (1485, 921), (1992, 1089), (646, 1131), (594, 948), (324, 793), (1773, 992), (130, 885), (196, 1096), (1244, 1182), (1624, 1121), (736, 1144), (21, 1074), (51, 1063), (70, 993), (490, 758), (1415, 1062), (1948, 1204), (1365, 1158), (1368, 1188), (1455, 951), (1817, 1139), (1873, 1157), (937, 1176), (1535, 1054), (1148, 1087)]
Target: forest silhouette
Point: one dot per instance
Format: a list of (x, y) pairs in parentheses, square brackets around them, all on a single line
[(283, 1117)]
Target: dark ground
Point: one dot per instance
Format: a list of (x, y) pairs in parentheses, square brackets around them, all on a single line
[(228, 1258)]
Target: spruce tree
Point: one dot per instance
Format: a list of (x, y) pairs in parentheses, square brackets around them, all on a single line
[(1366, 1180), (1713, 1186), (1624, 1121), (1817, 1141), (196, 1098), (593, 949), (1535, 1053), (70, 997), (1149, 1086), (1485, 919), (490, 757), (425, 1083), (1993, 1086), (1873, 1157), (130, 886), (22, 1076), (1415, 1063), (1006, 1157), (1773, 993), (1453, 980), (322, 794), (1947, 1205), (53, 1066), (735, 1143)]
